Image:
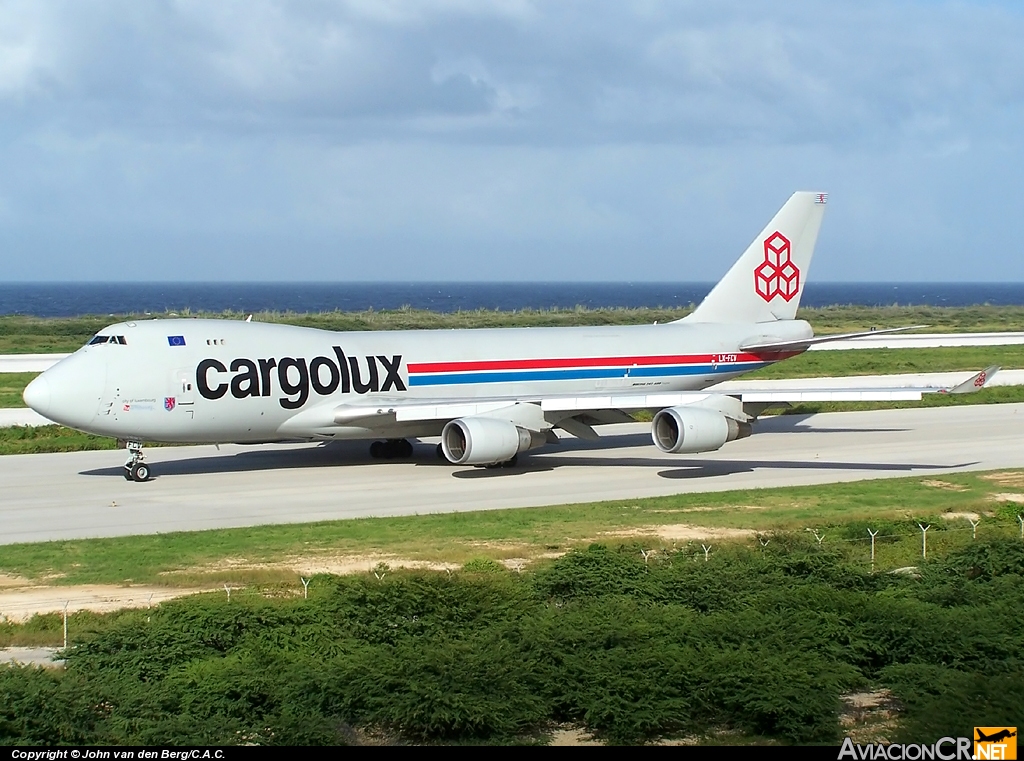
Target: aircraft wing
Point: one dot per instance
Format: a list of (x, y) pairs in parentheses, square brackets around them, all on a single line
[(838, 393), (577, 413)]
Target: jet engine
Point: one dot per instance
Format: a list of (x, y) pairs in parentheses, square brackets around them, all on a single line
[(486, 441), (694, 429)]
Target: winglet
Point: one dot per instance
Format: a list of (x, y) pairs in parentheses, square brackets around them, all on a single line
[(975, 382)]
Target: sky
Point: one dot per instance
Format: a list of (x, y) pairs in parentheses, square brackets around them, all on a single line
[(505, 140)]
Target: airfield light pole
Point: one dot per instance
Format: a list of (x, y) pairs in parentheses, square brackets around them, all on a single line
[(974, 528), (1020, 520), (924, 539), (65, 624), (707, 551), (872, 534), (305, 587)]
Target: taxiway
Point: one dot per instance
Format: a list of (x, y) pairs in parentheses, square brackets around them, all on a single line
[(83, 494)]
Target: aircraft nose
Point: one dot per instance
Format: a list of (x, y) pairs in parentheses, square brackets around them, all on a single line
[(69, 392), (37, 395)]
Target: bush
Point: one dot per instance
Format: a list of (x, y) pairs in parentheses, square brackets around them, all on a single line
[(763, 642)]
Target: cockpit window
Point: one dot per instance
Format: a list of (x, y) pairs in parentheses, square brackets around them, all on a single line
[(108, 339)]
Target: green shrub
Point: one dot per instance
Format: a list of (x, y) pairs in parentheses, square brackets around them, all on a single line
[(763, 642)]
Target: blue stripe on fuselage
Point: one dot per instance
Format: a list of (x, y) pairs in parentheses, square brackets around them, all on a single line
[(588, 373)]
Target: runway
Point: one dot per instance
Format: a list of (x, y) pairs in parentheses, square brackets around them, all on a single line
[(77, 495)]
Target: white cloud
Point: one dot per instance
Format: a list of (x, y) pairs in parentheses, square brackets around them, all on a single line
[(29, 47), (679, 72), (437, 130)]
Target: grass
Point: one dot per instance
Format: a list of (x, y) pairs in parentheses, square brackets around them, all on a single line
[(20, 334), (49, 438), (974, 319), (11, 387), (47, 629), (27, 439), (843, 512)]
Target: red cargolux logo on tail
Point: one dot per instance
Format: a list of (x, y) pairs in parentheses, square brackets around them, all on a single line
[(777, 275)]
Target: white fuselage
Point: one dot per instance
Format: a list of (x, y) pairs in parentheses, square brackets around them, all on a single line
[(189, 380)]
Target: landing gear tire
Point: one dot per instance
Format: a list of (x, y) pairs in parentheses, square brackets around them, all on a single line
[(440, 453), (135, 469), (377, 450)]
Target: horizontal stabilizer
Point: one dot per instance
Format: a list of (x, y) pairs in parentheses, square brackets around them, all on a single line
[(797, 396), (801, 344), (975, 382)]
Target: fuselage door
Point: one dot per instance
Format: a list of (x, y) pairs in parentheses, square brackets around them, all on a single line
[(184, 391)]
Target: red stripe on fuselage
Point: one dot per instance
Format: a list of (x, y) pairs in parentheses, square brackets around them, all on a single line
[(541, 364)]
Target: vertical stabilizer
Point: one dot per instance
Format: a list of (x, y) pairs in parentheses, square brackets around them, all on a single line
[(766, 283)]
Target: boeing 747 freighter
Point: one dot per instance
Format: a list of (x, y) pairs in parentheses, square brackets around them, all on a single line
[(490, 394)]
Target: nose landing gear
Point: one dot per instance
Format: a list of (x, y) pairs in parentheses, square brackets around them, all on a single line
[(135, 469)]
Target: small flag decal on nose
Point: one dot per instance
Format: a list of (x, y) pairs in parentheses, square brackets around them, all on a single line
[(175, 340)]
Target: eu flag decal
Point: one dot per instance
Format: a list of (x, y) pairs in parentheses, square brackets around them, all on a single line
[(175, 340)]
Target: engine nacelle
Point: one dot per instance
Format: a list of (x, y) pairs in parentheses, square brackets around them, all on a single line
[(694, 429), (486, 441)]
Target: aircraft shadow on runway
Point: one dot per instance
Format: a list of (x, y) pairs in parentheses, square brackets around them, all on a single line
[(686, 468), (778, 425), (803, 424), (348, 453), (332, 455), (337, 454), (711, 468), (344, 454)]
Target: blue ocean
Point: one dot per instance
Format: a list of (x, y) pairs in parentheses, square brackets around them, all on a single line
[(73, 299)]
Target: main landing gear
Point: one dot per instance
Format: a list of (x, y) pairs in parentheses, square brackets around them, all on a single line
[(392, 449), (135, 469)]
